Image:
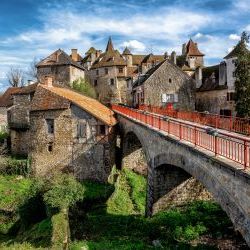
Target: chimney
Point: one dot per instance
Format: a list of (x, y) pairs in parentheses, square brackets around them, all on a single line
[(173, 57), (74, 55), (198, 77), (166, 55), (183, 49), (48, 81)]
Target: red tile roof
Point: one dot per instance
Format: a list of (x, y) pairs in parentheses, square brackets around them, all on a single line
[(47, 98), (192, 49)]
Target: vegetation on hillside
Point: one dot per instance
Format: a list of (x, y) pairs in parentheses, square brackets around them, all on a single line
[(83, 86), (242, 73)]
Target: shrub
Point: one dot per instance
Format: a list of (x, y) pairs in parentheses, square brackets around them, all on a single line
[(83, 86), (65, 191)]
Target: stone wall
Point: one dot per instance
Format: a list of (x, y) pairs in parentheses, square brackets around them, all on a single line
[(213, 101), (62, 74), (90, 157), (169, 79), (20, 141)]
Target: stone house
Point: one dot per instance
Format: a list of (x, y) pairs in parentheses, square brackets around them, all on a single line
[(63, 68), (112, 72), (59, 128), (165, 84), (217, 92)]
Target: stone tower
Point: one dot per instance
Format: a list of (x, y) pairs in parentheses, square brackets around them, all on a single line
[(128, 56)]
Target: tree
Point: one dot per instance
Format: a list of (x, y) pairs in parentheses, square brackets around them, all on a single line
[(32, 70), (83, 86), (15, 76), (242, 73)]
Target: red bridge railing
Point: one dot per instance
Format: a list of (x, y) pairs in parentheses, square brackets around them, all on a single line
[(230, 123), (235, 148)]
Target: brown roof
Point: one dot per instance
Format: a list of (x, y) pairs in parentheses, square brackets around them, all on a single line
[(150, 58), (192, 49), (6, 99), (132, 71), (126, 51), (59, 57), (60, 98), (91, 50)]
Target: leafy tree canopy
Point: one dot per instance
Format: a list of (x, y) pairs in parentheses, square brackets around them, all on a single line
[(83, 86), (242, 73)]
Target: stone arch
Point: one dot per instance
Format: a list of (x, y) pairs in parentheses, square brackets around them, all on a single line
[(179, 164), (134, 154)]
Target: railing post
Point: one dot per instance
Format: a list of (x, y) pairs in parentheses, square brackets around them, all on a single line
[(245, 154), (180, 132), (195, 136), (159, 123), (168, 126), (216, 145)]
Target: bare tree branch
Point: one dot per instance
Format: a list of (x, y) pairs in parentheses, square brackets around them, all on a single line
[(32, 70), (15, 76)]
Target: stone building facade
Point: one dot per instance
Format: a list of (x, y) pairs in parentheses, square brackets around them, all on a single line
[(59, 128), (217, 92), (165, 84), (112, 72), (63, 68)]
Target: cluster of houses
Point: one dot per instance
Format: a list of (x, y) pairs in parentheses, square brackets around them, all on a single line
[(57, 127)]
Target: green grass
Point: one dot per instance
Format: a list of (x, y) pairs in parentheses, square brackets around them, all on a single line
[(14, 191), (121, 225)]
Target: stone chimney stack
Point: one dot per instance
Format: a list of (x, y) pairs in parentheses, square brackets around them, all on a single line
[(166, 55), (184, 49), (48, 81), (173, 57), (74, 55)]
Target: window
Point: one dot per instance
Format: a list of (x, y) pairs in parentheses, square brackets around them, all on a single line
[(106, 71), (170, 80), (169, 98), (97, 72), (120, 70), (230, 96), (102, 130), (50, 126), (112, 81), (81, 130), (95, 83), (50, 147)]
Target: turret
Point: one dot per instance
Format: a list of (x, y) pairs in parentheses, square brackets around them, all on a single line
[(128, 57)]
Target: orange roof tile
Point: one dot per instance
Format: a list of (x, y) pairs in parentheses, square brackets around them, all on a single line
[(192, 49), (66, 96)]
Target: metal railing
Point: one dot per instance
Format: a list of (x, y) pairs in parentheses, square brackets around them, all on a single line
[(233, 147), (230, 123)]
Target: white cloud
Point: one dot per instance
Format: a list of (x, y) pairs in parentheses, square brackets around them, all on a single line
[(234, 37), (134, 45)]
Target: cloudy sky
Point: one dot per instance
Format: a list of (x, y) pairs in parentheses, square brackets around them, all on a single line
[(33, 29)]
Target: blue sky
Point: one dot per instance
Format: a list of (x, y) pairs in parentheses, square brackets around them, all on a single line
[(33, 29)]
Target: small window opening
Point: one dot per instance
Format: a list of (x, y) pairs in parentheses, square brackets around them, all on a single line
[(50, 126), (102, 130), (112, 81), (170, 80), (95, 82), (50, 147)]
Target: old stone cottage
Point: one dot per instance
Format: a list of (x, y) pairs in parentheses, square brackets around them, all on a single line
[(165, 84), (59, 128), (63, 68)]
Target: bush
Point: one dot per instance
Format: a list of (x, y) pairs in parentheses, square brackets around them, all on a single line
[(14, 166), (65, 191), (83, 86)]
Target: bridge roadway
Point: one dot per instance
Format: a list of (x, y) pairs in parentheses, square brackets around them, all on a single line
[(177, 151), (224, 144)]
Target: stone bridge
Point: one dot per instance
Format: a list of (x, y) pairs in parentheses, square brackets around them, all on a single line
[(172, 162)]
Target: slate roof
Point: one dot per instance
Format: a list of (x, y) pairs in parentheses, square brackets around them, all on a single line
[(192, 49), (210, 79), (59, 57), (49, 98), (235, 51)]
